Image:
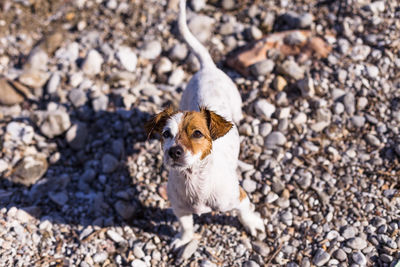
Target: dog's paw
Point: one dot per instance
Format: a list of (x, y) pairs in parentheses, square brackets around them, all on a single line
[(179, 242), (253, 223)]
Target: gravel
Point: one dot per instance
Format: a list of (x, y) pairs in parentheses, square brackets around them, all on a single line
[(81, 185)]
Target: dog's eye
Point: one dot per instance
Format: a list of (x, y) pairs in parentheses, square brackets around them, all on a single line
[(197, 134), (167, 134)]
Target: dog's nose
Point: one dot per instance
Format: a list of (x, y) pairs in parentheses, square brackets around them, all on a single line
[(175, 152)]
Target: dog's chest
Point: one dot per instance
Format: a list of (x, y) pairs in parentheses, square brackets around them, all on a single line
[(191, 192)]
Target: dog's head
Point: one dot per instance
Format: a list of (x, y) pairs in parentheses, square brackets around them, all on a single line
[(187, 136)]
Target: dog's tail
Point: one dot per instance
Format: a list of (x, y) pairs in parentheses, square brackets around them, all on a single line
[(197, 48)]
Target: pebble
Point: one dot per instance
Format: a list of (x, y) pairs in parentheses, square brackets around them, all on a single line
[(77, 97), (151, 50), (262, 68), (372, 140), (349, 103), (201, 26), (274, 140), (261, 248), (34, 78), (60, 198), (124, 209), (291, 69), (250, 264), (263, 108), (321, 257), (178, 52), (30, 169), (127, 58), (189, 249), (3, 165), (359, 258), (357, 243), (300, 119), (176, 77), (249, 185), (109, 163), (358, 121), (340, 255), (164, 65), (53, 83), (92, 63), (138, 263), (20, 132), (306, 87), (279, 83), (265, 129), (76, 136), (198, 5), (100, 257), (114, 236), (349, 232), (100, 103)]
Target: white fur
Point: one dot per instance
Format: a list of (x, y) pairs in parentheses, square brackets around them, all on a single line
[(200, 186)]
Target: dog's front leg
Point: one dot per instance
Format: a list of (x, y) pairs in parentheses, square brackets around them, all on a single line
[(186, 233), (251, 220)]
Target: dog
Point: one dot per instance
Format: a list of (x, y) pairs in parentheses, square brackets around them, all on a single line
[(201, 145)]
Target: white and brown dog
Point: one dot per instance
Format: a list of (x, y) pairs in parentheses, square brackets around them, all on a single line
[(201, 145)]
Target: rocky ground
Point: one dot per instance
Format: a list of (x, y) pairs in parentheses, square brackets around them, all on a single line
[(81, 185)]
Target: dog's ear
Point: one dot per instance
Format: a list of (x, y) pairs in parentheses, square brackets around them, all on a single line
[(217, 124), (158, 121)]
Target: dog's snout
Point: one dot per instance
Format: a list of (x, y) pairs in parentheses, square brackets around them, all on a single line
[(175, 152)]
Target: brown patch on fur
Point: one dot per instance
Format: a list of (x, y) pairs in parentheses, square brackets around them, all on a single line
[(217, 124), (242, 195), (195, 121), (157, 123)]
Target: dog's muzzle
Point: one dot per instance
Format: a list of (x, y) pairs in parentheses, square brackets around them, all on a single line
[(176, 153)]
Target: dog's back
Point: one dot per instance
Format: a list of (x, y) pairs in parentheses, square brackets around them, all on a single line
[(209, 87)]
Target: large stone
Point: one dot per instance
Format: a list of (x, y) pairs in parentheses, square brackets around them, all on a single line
[(52, 123), (76, 136), (92, 63), (29, 169)]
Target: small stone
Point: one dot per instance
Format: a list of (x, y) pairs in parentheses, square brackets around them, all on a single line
[(34, 78), (60, 198), (37, 60), (138, 251), (349, 103), (300, 119), (176, 77), (250, 264), (360, 52), (109, 163), (100, 257), (262, 68), (274, 140), (332, 235), (3, 165), (376, 7), (77, 97), (178, 52), (124, 209), (261, 248), (265, 129), (52, 123), (100, 103), (189, 249), (271, 197), (291, 69), (254, 33), (338, 108), (319, 126), (151, 50), (9, 95), (349, 232), (359, 258), (357, 243), (249, 185), (30, 169), (127, 58), (340, 255), (358, 121), (386, 258), (20, 132), (263, 108), (321, 257), (362, 102), (92, 63), (287, 218), (114, 236), (372, 71), (138, 263), (372, 140), (53, 83), (198, 5), (305, 20), (76, 136), (164, 65), (201, 26), (279, 83), (306, 87), (76, 79)]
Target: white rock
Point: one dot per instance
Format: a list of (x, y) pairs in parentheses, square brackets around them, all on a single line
[(18, 131), (92, 63), (76, 79), (114, 236), (300, 119), (37, 60), (127, 58), (53, 83), (3, 165), (151, 50), (176, 77), (138, 263), (264, 108)]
